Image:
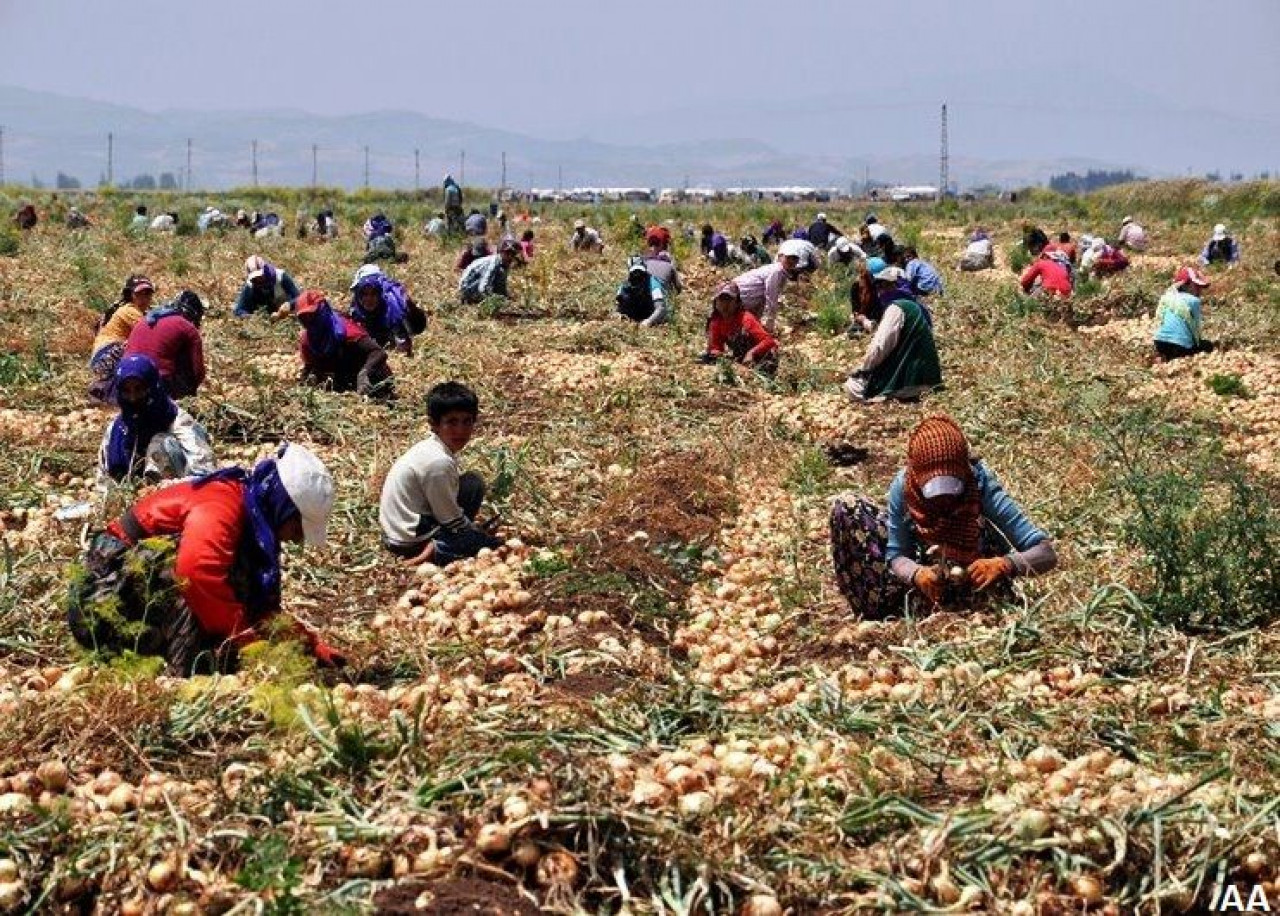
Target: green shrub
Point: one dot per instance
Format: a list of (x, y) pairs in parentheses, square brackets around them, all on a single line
[(1213, 552), (1227, 386), (1018, 257), (8, 243)]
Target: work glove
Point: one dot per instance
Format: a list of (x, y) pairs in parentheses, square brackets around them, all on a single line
[(927, 580), (983, 573), (327, 656)]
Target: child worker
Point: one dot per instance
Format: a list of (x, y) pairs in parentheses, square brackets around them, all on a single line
[(735, 333), (428, 507)]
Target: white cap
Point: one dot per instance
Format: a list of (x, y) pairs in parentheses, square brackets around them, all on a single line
[(579, 224), (1220, 232), (890, 273), (942, 486), (1126, 221), (310, 486), (364, 273), (822, 217)]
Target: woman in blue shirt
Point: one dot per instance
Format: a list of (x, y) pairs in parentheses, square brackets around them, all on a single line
[(1178, 316), (950, 535)]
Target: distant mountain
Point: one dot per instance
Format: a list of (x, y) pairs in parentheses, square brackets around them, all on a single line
[(46, 134)]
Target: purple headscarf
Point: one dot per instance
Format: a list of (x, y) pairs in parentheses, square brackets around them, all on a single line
[(393, 311), (326, 332), (137, 423)]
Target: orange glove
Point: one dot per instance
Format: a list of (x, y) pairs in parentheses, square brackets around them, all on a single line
[(983, 573), (926, 579)]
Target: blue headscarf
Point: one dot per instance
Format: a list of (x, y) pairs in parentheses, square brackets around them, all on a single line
[(268, 505), (188, 305), (137, 423), (326, 332), (393, 310)]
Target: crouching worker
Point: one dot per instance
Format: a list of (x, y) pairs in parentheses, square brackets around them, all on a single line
[(337, 352), (951, 536), (191, 573), (901, 361), (152, 438), (385, 309), (428, 508), (1178, 316), (642, 297), (735, 333)]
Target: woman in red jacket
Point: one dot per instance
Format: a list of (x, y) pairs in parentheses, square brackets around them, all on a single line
[(191, 572), (337, 352), (735, 333)]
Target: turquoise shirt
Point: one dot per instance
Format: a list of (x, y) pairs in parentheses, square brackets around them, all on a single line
[(1178, 319)]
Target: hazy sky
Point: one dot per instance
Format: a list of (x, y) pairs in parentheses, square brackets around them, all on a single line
[(556, 67)]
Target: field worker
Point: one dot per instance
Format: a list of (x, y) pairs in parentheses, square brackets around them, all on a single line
[(385, 310), (761, 288), (845, 253), (658, 260), (526, 245), (951, 534), (1132, 236), (488, 276), (734, 333), (585, 238), (822, 233), (1221, 248), (152, 438), (326, 226), (642, 298), (808, 258), (211, 218), (428, 507), (140, 221), (901, 361), (451, 192), (242, 220), (170, 337), (337, 353), (474, 250), (191, 573), (1048, 275), (773, 233), (266, 288), (26, 217), (1179, 317), (980, 253), (922, 276), (266, 225), (476, 225), (714, 246), (436, 226), (165, 222), (1066, 246), (380, 240), (1101, 259), (754, 252), (876, 240), (77, 220), (113, 332)]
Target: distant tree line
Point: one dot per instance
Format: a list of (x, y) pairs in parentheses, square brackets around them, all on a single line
[(1072, 183)]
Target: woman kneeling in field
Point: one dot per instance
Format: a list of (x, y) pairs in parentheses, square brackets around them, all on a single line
[(734, 332), (191, 573), (950, 536), (902, 360)]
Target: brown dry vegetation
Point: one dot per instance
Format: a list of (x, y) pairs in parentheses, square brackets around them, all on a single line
[(652, 700)]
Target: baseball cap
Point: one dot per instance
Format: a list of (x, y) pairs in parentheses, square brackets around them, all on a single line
[(729, 289), (579, 224), (1126, 221), (142, 284), (310, 486), (822, 217), (1220, 232), (364, 273), (1190, 275), (255, 266), (942, 485), (876, 266)]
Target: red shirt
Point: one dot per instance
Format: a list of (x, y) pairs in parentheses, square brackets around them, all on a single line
[(741, 331), (175, 346), (1053, 277), (209, 521)]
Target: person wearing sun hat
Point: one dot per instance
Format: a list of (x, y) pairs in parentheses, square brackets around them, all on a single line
[(266, 287), (950, 532), (1221, 248), (191, 573), (338, 353), (585, 238), (1179, 318), (901, 361), (1132, 235)]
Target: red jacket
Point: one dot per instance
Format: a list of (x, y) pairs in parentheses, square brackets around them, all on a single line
[(175, 346), (742, 334), (1054, 277), (209, 521)]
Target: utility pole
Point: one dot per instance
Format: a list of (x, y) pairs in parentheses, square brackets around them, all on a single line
[(559, 178), (462, 170), (503, 186), (1, 156), (366, 168), (188, 183), (314, 171), (944, 159), (417, 172), (111, 144), (255, 163)]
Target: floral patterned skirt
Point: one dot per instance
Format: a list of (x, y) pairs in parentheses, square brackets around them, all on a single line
[(859, 542)]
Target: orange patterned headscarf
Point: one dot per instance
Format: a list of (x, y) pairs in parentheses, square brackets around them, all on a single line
[(938, 448)]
